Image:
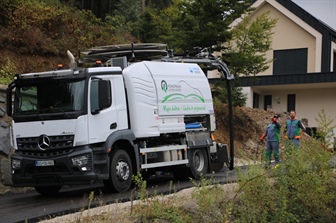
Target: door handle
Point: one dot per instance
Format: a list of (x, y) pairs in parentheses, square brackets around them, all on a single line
[(113, 126)]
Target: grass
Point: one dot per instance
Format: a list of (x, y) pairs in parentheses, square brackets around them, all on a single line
[(292, 192), (301, 189)]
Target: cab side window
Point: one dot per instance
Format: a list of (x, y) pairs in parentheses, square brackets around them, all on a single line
[(94, 96), (100, 95)]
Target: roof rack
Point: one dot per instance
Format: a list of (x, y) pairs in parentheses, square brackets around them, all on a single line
[(152, 51), (133, 52)]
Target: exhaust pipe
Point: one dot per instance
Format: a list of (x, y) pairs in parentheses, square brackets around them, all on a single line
[(72, 64)]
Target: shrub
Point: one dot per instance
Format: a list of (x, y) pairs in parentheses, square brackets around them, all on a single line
[(301, 189), (6, 72)]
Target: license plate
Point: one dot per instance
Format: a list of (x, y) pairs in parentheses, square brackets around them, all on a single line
[(152, 155), (45, 163)]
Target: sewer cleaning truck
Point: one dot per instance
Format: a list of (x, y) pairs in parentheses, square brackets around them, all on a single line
[(107, 123)]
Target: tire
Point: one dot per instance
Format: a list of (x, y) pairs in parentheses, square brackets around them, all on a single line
[(48, 190), (121, 172), (198, 162), (198, 166)]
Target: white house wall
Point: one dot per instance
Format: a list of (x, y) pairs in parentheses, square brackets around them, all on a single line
[(312, 102), (309, 103), (247, 91), (333, 60)]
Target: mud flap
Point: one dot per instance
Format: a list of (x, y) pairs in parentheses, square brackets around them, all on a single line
[(221, 157)]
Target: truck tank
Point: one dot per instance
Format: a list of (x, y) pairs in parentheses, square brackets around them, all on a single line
[(160, 96)]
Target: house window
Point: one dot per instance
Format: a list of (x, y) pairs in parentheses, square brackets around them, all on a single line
[(290, 61), (255, 100), (267, 102), (291, 102)]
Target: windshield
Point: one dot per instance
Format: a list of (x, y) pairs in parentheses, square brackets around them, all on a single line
[(53, 96)]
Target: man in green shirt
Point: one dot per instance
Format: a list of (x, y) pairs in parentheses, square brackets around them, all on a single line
[(292, 129), (272, 146)]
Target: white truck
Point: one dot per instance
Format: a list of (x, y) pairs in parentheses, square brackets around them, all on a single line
[(83, 125)]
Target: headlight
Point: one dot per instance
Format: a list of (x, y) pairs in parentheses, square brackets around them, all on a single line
[(84, 162), (16, 164)]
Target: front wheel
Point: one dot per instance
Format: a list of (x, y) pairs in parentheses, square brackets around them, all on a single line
[(120, 172)]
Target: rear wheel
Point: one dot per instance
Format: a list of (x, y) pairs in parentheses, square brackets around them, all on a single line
[(198, 166), (48, 190), (120, 172), (198, 163)]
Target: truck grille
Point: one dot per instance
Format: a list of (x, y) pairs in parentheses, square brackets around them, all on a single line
[(57, 145), (45, 154)]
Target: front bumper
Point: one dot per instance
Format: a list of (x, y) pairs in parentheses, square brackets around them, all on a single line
[(58, 170)]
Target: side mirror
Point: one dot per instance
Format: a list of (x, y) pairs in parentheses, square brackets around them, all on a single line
[(9, 101)]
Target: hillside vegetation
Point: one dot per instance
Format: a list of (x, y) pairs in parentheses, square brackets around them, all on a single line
[(35, 36)]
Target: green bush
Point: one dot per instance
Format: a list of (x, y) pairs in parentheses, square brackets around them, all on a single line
[(7, 72), (301, 189)]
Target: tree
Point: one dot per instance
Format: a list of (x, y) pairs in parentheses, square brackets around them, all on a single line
[(200, 23), (246, 53), (7, 8), (125, 16), (186, 24), (151, 27)]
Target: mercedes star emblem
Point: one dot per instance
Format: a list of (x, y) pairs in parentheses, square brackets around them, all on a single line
[(43, 142)]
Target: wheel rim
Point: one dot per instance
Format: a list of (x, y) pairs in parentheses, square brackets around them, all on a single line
[(198, 160), (122, 170)]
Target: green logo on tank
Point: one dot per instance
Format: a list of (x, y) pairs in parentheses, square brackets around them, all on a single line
[(194, 93), (164, 85)]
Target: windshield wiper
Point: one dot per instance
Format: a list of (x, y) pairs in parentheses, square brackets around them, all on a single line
[(30, 113), (55, 110), (38, 115)]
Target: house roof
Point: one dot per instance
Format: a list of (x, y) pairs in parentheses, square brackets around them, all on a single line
[(285, 79), (301, 13), (307, 17), (304, 19), (328, 36)]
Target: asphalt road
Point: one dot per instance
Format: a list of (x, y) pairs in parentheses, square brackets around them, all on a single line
[(32, 207)]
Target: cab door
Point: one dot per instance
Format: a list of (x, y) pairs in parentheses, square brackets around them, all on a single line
[(102, 110)]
